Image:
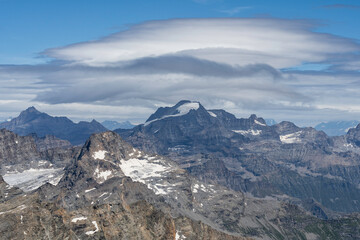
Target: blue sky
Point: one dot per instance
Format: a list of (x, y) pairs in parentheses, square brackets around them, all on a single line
[(29, 27), (287, 60)]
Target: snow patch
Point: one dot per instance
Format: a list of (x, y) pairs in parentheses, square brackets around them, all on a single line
[(212, 114), (187, 107), (348, 145), (19, 208), (178, 236), (259, 123), (291, 138), (96, 229), (74, 220), (102, 176), (248, 132), (103, 194), (99, 154), (89, 190)]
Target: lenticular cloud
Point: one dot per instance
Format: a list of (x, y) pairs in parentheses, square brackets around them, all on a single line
[(277, 42)]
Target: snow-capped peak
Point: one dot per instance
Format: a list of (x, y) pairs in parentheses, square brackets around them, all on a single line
[(186, 107), (181, 110)]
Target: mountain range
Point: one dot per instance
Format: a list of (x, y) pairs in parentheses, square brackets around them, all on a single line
[(111, 190), (186, 173), (282, 161), (32, 121)]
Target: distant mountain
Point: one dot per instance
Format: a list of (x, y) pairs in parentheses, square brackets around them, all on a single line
[(270, 122), (336, 128), (112, 125), (283, 160), (32, 121)]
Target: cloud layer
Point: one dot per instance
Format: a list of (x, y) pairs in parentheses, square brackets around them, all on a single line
[(243, 65), (235, 41)]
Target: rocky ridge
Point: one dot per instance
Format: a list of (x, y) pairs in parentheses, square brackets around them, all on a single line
[(114, 191), (282, 161)]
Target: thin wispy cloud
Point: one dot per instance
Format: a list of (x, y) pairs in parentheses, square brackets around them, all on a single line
[(339, 6), (235, 10)]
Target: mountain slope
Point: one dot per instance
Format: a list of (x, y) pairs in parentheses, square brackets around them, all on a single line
[(32, 121), (114, 191), (282, 161)]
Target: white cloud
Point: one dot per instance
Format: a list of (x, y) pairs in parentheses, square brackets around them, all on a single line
[(236, 41), (224, 63)]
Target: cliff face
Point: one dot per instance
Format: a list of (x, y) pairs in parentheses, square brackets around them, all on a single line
[(15, 149)]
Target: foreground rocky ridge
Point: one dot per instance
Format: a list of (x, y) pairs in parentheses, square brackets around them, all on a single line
[(114, 191), (282, 161)]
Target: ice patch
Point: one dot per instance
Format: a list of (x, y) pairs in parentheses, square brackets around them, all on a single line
[(99, 154), (259, 123), (31, 179), (96, 229), (144, 171), (74, 220), (291, 138), (139, 170), (248, 132), (183, 110)]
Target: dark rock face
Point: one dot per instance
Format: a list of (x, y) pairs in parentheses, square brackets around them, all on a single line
[(282, 160), (50, 142), (353, 135), (32, 121), (15, 149)]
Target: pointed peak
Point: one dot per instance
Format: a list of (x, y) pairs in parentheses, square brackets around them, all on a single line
[(31, 109), (253, 116)]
